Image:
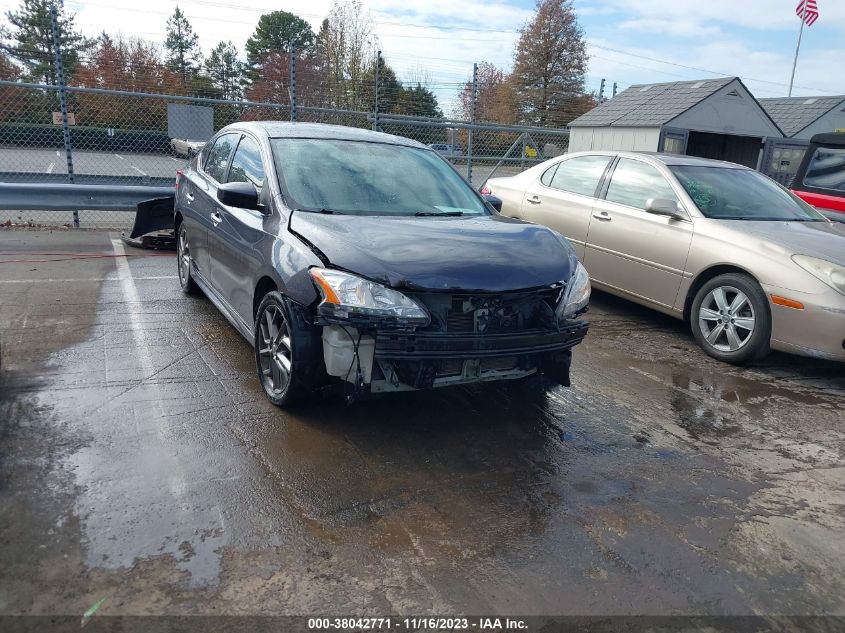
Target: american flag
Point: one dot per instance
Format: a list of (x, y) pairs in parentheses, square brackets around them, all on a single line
[(808, 10)]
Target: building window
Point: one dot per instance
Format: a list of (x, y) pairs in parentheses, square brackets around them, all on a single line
[(673, 145)]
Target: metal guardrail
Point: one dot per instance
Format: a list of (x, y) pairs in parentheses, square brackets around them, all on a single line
[(76, 197), (154, 182)]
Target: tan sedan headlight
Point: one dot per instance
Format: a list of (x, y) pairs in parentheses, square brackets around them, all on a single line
[(576, 296), (832, 274)]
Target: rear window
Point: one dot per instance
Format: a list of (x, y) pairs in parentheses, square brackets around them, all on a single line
[(826, 169), (547, 176), (580, 175)]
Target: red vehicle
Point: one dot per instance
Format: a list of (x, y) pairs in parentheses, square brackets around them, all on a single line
[(820, 180)]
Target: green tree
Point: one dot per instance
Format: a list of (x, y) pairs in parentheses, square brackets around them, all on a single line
[(32, 40), (274, 34), (182, 46), (420, 101), (225, 70), (550, 64)]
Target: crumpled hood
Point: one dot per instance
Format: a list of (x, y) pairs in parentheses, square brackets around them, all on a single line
[(825, 240), (491, 253)]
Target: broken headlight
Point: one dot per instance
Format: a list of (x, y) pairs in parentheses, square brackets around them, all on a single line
[(576, 296), (346, 296), (830, 273)]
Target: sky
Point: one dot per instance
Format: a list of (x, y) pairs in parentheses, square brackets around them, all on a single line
[(628, 41)]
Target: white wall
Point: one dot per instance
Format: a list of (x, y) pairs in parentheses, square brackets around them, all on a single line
[(638, 139), (830, 122), (722, 113)]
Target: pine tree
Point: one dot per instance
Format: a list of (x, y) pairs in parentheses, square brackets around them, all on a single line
[(182, 46), (32, 40), (273, 36), (550, 64), (225, 70)]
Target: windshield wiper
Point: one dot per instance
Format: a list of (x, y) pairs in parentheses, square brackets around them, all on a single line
[(452, 214)]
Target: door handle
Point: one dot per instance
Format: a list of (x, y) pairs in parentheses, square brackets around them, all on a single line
[(216, 218), (604, 216), (534, 200), (190, 197)]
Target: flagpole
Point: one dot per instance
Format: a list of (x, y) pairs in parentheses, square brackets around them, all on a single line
[(798, 48)]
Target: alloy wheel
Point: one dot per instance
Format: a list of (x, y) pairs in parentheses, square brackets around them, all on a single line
[(183, 257), (274, 351), (726, 319)]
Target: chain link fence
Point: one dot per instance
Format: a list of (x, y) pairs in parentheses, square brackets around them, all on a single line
[(140, 138)]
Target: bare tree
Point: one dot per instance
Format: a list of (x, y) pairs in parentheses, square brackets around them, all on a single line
[(347, 46), (550, 64)]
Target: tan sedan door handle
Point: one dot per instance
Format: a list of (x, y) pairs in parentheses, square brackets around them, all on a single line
[(604, 216), (534, 200)]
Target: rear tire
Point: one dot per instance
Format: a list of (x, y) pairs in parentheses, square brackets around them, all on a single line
[(730, 319), (284, 356), (184, 261)]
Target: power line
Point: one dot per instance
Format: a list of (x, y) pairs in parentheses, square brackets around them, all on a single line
[(211, 3), (696, 68)]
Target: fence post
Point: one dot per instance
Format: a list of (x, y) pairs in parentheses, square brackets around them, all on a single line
[(60, 80), (375, 100), (522, 159), (472, 120), (292, 48)]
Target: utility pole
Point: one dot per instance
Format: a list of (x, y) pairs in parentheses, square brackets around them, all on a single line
[(60, 80), (601, 91), (292, 49), (378, 81), (471, 120)]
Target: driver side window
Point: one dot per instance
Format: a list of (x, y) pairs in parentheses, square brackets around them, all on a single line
[(247, 165)]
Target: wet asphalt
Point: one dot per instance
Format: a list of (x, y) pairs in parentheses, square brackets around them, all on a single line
[(141, 463)]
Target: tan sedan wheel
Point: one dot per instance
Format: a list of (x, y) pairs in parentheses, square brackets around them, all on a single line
[(730, 319)]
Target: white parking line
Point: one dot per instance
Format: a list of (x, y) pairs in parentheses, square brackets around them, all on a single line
[(57, 153), (82, 280), (50, 168), (120, 157), (143, 173)]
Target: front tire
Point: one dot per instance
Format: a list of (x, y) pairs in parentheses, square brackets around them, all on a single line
[(282, 351), (730, 319)]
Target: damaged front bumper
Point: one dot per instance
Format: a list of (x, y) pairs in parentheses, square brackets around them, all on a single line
[(382, 361)]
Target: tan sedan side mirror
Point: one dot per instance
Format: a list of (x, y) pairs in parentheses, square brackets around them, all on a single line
[(663, 206)]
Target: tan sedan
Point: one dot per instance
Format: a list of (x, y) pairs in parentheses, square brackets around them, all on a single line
[(749, 265)]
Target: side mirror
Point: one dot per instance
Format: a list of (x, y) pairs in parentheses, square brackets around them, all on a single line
[(662, 206), (241, 195), (493, 201)]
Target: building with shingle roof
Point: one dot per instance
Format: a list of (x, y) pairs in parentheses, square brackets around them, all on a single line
[(802, 117), (712, 118)]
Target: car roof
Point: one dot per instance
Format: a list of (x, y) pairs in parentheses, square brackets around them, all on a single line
[(836, 139), (288, 129), (669, 159)]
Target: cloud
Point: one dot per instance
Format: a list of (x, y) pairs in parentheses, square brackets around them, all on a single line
[(751, 14)]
